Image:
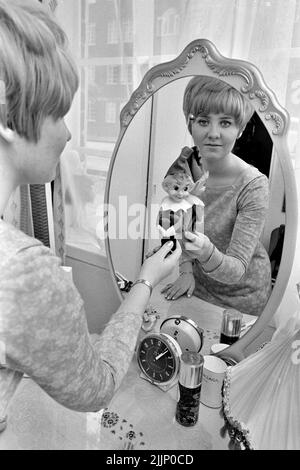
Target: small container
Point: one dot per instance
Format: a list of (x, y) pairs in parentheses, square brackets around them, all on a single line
[(214, 370), (217, 347), (189, 384), (231, 326)]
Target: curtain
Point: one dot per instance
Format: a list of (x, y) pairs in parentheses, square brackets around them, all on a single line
[(116, 41)]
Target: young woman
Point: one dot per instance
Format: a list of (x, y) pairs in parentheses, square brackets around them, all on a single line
[(228, 265), (43, 329)]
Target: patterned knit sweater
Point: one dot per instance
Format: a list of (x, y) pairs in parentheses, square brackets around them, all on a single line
[(43, 330)]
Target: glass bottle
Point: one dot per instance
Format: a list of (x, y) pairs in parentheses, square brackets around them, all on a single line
[(189, 384)]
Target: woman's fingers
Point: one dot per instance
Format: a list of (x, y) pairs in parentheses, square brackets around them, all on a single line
[(165, 288), (171, 256), (177, 294), (152, 252), (165, 249), (174, 292), (190, 236), (167, 291), (190, 246)]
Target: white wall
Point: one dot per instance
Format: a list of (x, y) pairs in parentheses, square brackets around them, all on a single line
[(169, 135), (93, 281), (128, 194)]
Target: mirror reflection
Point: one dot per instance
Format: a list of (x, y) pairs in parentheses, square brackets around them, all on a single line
[(229, 137), (233, 191), (226, 264)]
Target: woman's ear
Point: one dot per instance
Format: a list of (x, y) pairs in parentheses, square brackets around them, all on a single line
[(6, 134), (189, 122)]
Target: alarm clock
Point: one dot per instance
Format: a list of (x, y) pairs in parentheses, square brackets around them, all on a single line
[(185, 331), (158, 357), (158, 354)]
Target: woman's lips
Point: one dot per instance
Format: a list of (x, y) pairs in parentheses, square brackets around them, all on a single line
[(212, 146)]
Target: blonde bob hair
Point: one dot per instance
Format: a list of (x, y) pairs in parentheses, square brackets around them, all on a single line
[(204, 95), (38, 77)]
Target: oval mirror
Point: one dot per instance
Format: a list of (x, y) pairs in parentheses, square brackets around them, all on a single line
[(152, 133)]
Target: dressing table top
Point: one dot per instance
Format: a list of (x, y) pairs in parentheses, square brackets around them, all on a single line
[(139, 410)]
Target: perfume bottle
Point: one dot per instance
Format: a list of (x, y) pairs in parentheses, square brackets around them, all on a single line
[(189, 384), (231, 326)]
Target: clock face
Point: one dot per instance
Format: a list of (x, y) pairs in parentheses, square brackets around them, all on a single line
[(158, 357)]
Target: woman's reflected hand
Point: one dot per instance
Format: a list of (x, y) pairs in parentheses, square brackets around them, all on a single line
[(197, 245), (160, 264), (184, 284)]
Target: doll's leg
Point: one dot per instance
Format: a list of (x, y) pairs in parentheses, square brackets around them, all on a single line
[(166, 225)]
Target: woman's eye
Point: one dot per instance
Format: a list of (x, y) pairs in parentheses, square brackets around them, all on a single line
[(202, 122), (225, 123), (185, 189), (176, 188)]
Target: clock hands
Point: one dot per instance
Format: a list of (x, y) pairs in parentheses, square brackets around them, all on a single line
[(161, 355)]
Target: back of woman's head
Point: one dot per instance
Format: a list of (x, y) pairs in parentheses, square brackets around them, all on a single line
[(37, 74), (204, 95)]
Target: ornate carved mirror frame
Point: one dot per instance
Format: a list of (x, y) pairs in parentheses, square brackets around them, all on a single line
[(201, 57)]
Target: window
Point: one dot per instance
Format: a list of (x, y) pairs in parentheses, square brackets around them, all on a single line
[(110, 112), (113, 74), (168, 23), (112, 33), (91, 34), (127, 74), (127, 31), (91, 73), (296, 33), (92, 115)]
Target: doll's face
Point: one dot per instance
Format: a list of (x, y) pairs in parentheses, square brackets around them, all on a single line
[(178, 186)]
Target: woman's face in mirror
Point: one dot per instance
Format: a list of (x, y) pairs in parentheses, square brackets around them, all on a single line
[(214, 135)]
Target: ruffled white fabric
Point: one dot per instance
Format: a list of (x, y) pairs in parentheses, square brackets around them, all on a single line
[(262, 392), (169, 204), (169, 232)]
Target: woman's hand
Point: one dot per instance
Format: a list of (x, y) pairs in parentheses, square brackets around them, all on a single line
[(197, 245), (184, 284), (160, 264)]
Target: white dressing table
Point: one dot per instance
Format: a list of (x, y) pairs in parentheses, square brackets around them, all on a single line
[(36, 421)]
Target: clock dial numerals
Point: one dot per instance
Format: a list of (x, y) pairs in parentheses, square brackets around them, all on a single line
[(157, 359)]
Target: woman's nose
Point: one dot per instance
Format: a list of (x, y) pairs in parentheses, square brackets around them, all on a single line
[(213, 131), (69, 135)]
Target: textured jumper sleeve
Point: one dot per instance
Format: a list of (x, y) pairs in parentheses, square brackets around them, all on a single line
[(252, 206), (46, 336)]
